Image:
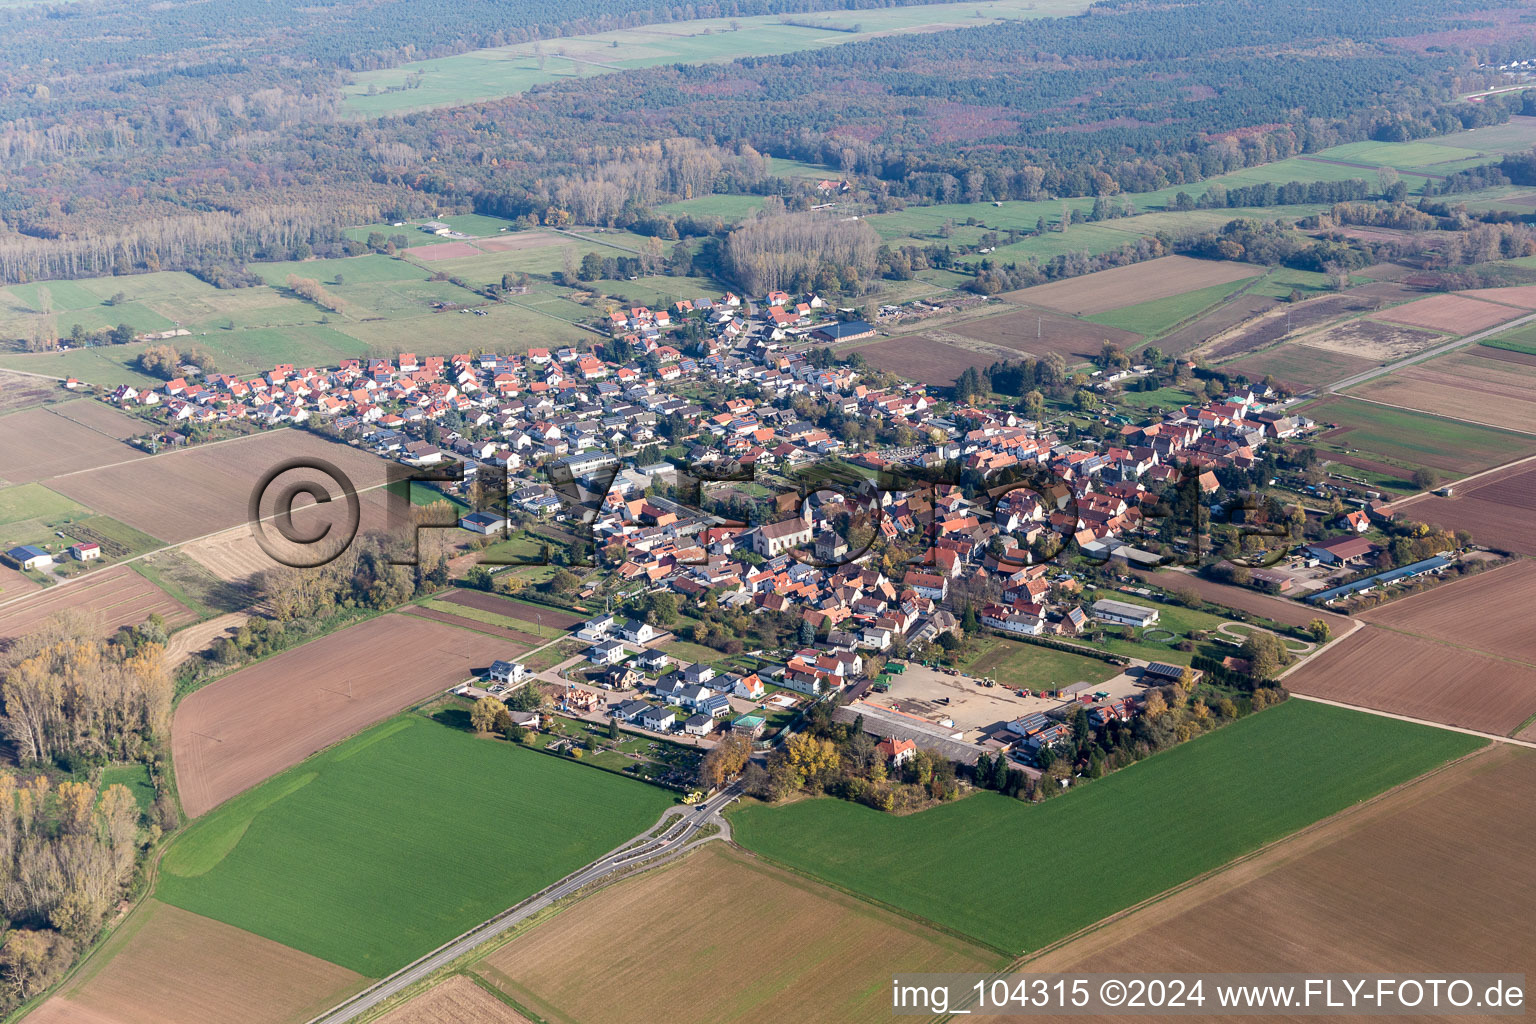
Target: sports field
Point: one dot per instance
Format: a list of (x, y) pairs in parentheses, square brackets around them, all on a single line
[(382, 848), (1127, 837), (1014, 663), (774, 946)]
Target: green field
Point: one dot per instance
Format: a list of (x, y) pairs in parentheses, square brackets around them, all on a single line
[(1020, 876), (1016, 663), (34, 501), (508, 70), (380, 849), (728, 208), (1521, 339), (136, 777), (1415, 439), (1150, 319)]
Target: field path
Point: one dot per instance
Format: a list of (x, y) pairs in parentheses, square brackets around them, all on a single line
[(649, 851)]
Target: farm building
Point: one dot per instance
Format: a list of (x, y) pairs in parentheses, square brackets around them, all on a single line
[(1274, 582), (28, 556), (1124, 613), (1341, 550), (1157, 673), (895, 751), (852, 330), (483, 523)]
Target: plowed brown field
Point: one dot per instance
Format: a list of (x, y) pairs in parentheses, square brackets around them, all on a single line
[(1499, 509), (1126, 286), (168, 966), (180, 495), (831, 960), (251, 725), (110, 599), (455, 1001), (40, 444), (1408, 675), (1433, 873), (1455, 313), (1490, 612), (1037, 332), (1277, 609), (1463, 385)]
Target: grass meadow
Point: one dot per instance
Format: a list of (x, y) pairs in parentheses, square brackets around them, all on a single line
[(378, 850), (1153, 318), (1019, 876)]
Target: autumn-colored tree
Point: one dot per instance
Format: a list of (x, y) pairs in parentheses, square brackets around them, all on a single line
[(810, 759), (724, 760), (483, 715)]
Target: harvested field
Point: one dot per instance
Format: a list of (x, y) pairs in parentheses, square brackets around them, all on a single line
[(197, 491), (506, 633), (513, 609), (1523, 295), (101, 418), (1503, 355), (21, 391), (233, 556), (1127, 286), (168, 966), (40, 444), (1217, 321), (110, 598), (1285, 319), (832, 954), (441, 251), (13, 584), (1498, 509), (1455, 314), (1439, 864), (195, 639), (925, 360), (1462, 385), (252, 724), (520, 241), (1425, 679), (1373, 341), (455, 1001), (1489, 612), (1299, 366), (1244, 599), (1075, 340)]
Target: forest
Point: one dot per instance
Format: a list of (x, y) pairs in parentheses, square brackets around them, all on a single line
[(176, 145)]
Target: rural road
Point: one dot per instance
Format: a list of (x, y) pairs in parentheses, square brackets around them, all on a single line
[(1429, 353), (667, 845)]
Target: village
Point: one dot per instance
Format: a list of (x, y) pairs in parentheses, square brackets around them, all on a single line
[(631, 445)]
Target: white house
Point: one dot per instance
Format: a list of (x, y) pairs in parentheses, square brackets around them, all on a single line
[(508, 671), (595, 628), (699, 725), (606, 652), (86, 551), (657, 719), (637, 632)]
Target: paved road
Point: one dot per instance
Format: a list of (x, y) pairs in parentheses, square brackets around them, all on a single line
[(669, 844)]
